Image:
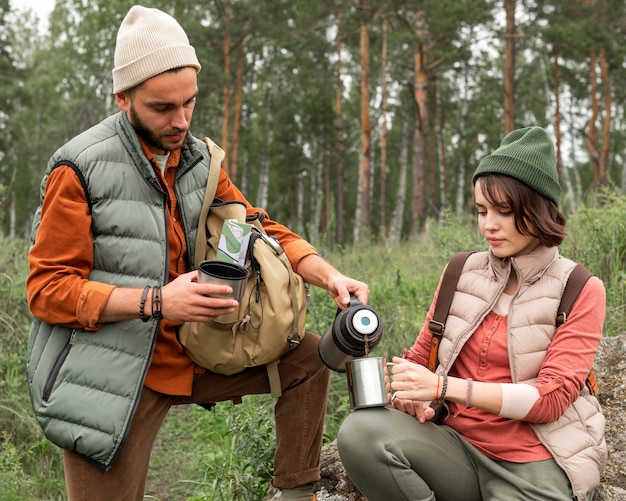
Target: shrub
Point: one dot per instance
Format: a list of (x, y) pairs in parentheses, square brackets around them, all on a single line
[(30, 465), (597, 238)]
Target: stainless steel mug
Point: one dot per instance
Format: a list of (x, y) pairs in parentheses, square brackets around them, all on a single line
[(366, 382), (222, 272)]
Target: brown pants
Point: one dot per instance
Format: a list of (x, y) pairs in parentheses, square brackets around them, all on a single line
[(299, 415)]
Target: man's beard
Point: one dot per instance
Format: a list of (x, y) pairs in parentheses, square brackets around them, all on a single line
[(146, 134)]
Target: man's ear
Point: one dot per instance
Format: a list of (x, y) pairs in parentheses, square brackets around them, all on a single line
[(123, 101)]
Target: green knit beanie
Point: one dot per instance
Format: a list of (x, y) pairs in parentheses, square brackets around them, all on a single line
[(528, 156)]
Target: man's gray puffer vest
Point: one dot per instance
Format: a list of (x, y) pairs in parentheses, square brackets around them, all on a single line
[(84, 386)]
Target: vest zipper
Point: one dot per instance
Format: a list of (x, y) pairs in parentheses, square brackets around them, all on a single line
[(56, 368)]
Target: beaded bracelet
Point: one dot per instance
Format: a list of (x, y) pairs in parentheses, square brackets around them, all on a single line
[(156, 303), (444, 387), (142, 305), (468, 398)]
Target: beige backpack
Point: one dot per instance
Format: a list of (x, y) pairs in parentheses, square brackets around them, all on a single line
[(270, 319)]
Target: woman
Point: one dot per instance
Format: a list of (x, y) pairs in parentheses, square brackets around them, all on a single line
[(522, 425)]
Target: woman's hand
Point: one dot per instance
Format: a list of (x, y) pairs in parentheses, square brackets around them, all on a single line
[(415, 383), (418, 409), (413, 386), (412, 381)]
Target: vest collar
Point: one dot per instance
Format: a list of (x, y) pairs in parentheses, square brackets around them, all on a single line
[(530, 267)]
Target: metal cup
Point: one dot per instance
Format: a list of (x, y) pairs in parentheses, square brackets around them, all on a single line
[(222, 272), (366, 382)]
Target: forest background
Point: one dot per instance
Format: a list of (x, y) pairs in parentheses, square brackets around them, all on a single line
[(358, 123), (345, 119)]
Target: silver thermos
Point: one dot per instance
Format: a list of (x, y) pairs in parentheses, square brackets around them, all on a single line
[(355, 332)]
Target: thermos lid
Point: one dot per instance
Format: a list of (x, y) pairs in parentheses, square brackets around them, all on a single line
[(365, 322)]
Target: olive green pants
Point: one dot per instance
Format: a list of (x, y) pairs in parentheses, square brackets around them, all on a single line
[(390, 456)]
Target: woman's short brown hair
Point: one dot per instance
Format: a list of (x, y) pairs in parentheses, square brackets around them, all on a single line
[(534, 214)]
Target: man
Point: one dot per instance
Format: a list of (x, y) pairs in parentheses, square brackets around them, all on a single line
[(120, 209)]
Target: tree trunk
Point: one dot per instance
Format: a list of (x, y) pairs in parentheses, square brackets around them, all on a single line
[(463, 143), (12, 196), (320, 168), (574, 171), (509, 67), (362, 223), (340, 143), (234, 157), (264, 171), (395, 226), (443, 181), (247, 112), (592, 133), (325, 219), (420, 93), (557, 115), (606, 130), (226, 88), (299, 223), (562, 173), (12, 218), (383, 139)]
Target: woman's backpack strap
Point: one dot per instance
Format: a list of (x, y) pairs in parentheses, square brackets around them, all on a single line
[(437, 325)]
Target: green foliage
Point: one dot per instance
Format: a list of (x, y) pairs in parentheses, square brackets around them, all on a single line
[(597, 238), (30, 466), (223, 454), (242, 466), (187, 433), (13, 480)]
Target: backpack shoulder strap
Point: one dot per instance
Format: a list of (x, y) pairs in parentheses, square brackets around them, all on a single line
[(217, 155), (437, 325), (575, 283)]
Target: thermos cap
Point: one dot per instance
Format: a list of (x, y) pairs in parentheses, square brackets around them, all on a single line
[(365, 321)]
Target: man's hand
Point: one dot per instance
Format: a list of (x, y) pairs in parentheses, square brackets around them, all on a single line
[(182, 300), (187, 300), (317, 271)]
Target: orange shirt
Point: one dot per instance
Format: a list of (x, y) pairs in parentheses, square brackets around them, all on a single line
[(60, 292)]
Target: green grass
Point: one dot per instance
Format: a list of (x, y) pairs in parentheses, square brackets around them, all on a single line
[(222, 454), (227, 453)]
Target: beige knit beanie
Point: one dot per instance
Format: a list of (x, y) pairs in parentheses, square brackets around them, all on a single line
[(149, 42)]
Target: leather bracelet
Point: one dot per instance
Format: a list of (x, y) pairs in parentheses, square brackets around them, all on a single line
[(437, 391), (156, 303), (444, 387), (468, 398), (142, 305)]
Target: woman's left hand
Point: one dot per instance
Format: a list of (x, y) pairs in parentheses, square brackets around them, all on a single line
[(411, 381)]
